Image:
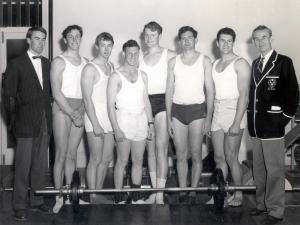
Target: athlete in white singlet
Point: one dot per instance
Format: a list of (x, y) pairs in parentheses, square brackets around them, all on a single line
[(231, 75), (155, 64), (94, 82), (130, 114), (68, 108), (189, 110)]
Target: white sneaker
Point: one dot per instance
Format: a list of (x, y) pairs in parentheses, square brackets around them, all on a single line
[(210, 202), (151, 199), (140, 201), (81, 202), (58, 204)]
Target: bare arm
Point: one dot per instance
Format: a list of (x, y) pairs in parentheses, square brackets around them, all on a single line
[(88, 78), (171, 54), (169, 94), (210, 92), (114, 85), (243, 71), (148, 107)]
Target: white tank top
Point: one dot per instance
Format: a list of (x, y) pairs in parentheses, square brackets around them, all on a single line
[(71, 79), (225, 82), (99, 89), (131, 95), (157, 74), (189, 82)]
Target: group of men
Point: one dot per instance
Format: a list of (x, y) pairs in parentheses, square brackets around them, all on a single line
[(141, 104)]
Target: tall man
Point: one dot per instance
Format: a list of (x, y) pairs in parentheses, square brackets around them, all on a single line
[(273, 100), (67, 109), (130, 114), (94, 82), (189, 104), (231, 75), (27, 96), (155, 65)]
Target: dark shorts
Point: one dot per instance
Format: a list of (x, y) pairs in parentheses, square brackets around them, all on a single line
[(188, 113), (158, 103)]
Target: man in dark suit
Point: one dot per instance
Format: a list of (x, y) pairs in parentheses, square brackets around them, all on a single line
[(273, 100), (28, 102)]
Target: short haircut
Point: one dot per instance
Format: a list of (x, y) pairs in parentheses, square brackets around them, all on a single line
[(185, 29), (153, 26), (262, 27), (130, 43), (32, 29), (228, 31), (105, 37), (72, 27)]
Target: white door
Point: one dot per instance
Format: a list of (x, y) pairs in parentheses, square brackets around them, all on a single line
[(13, 43)]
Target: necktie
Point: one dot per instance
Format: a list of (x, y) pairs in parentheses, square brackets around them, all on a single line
[(37, 57), (261, 64)]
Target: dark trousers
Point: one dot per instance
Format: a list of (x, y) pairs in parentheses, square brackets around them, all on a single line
[(30, 168)]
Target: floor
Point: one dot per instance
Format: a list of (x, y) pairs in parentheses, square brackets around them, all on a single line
[(170, 213)]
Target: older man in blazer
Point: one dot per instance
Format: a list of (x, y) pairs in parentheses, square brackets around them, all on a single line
[(273, 100), (28, 102)]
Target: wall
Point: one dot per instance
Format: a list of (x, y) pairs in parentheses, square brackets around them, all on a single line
[(125, 20)]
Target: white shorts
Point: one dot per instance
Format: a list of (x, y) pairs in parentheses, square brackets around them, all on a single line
[(224, 113), (134, 125), (102, 116)]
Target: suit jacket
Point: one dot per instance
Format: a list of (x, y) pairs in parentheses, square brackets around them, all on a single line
[(25, 100), (273, 97)]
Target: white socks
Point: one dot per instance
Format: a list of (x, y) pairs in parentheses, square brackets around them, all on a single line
[(161, 183), (153, 179), (59, 202)]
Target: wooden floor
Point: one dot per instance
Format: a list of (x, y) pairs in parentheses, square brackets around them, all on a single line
[(168, 214)]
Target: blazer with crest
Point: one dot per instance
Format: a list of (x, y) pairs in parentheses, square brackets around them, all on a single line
[(273, 97), (25, 99)]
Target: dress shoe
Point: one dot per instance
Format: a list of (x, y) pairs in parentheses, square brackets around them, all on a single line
[(20, 215), (270, 220), (41, 208), (256, 212)]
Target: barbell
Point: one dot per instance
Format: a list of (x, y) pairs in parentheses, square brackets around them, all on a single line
[(217, 189)]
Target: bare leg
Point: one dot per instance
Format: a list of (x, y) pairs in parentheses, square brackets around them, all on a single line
[(107, 157), (73, 143), (219, 154), (180, 141), (232, 147), (123, 151), (195, 140), (137, 153)]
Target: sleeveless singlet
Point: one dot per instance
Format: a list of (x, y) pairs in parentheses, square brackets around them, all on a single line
[(225, 81), (189, 82), (71, 79), (131, 95), (100, 101), (157, 74)]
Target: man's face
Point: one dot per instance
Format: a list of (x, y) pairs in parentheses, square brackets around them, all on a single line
[(225, 43), (151, 38), (73, 39), (262, 40), (105, 48), (37, 42), (187, 41), (132, 56)]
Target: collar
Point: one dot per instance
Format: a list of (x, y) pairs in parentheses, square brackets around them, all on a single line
[(30, 54), (268, 55)]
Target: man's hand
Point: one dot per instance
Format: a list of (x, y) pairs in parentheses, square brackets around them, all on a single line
[(234, 130), (119, 135)]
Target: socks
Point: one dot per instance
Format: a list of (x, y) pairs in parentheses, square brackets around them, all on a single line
[(161, 183)]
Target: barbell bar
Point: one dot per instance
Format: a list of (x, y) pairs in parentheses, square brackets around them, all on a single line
[(80, 191)]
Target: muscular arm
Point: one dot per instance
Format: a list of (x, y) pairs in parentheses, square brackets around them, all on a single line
[(114, 85), (243, 71), (170, 92), (88, 78), (210, 92), (148, 106)]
